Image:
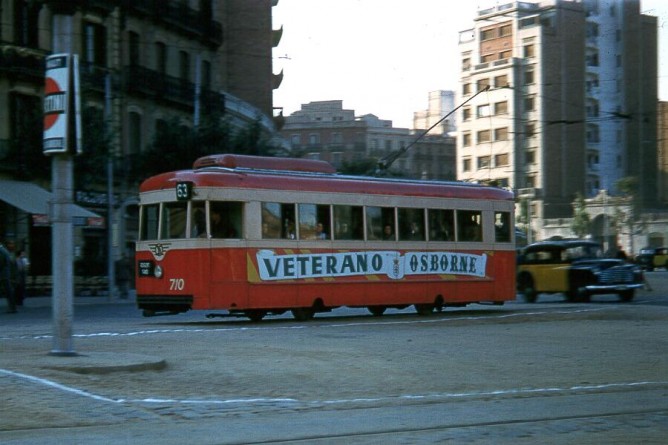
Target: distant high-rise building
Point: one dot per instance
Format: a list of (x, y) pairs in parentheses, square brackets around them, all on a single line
[(440, 104), (566, 104)]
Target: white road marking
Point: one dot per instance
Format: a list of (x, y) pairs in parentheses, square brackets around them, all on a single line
[(310, 325), (261, 400)]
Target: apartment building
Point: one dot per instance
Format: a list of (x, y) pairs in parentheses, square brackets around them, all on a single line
[(325, 130), (438, 114), (557, 106), (143, 64)]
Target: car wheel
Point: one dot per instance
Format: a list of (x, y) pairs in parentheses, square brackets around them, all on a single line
[(526, 288), (582, 296), (627, 295)]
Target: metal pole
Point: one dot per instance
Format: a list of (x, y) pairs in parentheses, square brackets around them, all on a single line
[(111, 270), (62, 241)]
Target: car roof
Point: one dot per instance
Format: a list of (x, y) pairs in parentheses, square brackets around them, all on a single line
[(561, 244)]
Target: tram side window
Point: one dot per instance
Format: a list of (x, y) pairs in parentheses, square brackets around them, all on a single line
[(469, 225), (225, 219), (278, 221), (380, 223), (502, 227), (349, 222), (174, 215), (149, 226), (198, 221), (411, 224), (441, 225), (314, 222)]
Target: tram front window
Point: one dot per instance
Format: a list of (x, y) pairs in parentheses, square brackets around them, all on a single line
[(149, 222)]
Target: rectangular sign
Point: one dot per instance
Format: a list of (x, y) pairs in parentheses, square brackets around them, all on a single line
[(393, 264), (62, 116)]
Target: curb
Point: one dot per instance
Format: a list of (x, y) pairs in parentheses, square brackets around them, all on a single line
[(95, 362)]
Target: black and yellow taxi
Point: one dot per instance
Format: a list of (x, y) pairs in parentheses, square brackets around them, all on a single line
[(575, 268), (652, 257)]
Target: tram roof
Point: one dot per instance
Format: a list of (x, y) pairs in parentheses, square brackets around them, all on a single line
[(255, 172)]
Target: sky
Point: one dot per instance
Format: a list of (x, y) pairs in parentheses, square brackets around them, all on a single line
[(384, 56)]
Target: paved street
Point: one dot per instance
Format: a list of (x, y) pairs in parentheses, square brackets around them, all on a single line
[(550, 372)]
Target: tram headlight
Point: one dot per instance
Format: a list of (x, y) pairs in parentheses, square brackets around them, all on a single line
[(158, 271)]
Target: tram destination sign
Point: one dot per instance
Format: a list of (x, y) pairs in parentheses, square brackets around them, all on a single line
[(393, 264)]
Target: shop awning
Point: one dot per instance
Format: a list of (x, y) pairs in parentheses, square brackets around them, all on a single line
[(35, 200)]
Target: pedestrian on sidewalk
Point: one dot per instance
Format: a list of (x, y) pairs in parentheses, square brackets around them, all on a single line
[(7, 277), (22, 266), (123, 274)]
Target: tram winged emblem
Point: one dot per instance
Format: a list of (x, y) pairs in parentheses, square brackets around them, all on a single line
[(159, 250)]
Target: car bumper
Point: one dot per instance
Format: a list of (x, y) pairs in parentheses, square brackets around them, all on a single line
[(613, 287)]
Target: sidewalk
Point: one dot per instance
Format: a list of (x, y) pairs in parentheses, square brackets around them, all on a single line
[(45, 300)]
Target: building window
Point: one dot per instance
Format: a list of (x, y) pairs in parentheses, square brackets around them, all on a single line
[(529, 77), (161, 58), (530, 157), (296, 139), (501, 134), (95, 44), (466, 64), (133, 48), (592, 134), (501, 107), (529, 103), (592, 59), (501, 81), (26, 23), (487, 58), (466, 114), (484, 162), (466, 139), (337, 138), (483, 111), (487, 34), (529, 50), (313, 138), (592, 108), (466, 165), (205, 75), (134, 133), (482, 84), (466, 88), (503, 55), (483, 136), (501, 160), (184, 65), (530, 129), (505, 30)]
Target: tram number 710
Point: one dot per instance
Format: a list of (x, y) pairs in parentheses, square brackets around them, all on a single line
[(177, 283)]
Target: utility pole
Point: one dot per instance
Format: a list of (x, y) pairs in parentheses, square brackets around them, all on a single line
[(62, 235)]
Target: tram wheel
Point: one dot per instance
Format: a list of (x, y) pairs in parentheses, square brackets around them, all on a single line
[(424, 309), (255, 315), (303, 313), (377, 311)]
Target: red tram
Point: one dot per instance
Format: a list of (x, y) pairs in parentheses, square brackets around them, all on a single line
[(256, 235)]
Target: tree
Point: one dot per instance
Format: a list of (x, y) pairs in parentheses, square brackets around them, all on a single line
[(176, 146), (581, 224), (631, 223)]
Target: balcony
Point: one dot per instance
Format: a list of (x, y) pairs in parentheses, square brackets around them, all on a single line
[(158, 86), (70, 6), (22, 63), (179, 17)]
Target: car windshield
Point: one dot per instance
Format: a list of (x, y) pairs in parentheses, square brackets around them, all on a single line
[(583, 252)]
